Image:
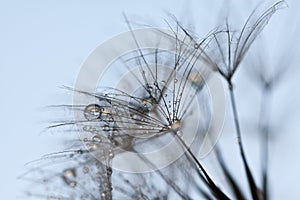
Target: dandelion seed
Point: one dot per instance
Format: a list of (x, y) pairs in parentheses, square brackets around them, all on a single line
[(152, 100)]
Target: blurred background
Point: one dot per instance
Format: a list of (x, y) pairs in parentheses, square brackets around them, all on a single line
[(44, 43)]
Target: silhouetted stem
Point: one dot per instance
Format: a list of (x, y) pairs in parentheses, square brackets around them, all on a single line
[(264, 131), (212, 186), (251, 181)]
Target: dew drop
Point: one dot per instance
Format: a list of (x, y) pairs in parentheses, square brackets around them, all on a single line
[(150, 88), (93, 147), (69, 173), (111, 154), (106, 127), (92, 112), (111, 119), (115, 131), (72, 183), (96, 138), (69, 176), (196, 46), (147, 104)]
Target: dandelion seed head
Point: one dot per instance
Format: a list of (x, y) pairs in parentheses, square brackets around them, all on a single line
[(175, 126), (144, 94)]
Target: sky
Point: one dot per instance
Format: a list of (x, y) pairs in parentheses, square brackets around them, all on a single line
[(44, 43)]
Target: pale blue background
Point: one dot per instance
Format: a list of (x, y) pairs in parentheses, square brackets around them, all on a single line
[(42, 46)]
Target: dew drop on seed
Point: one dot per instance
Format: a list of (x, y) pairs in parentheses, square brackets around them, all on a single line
[(85, 128), (92, 112), (111, 119), (69, 173), (93, 147), (111, 155), (72, 183), (115, 131), (147, 104), (106, 127), (150, 88), (96, 138), (69, 176)]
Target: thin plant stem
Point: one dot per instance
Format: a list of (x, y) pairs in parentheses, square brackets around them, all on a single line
[(264, 131), (201, 169), (251, 181)]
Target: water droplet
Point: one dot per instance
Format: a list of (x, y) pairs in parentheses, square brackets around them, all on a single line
[(150, 88), (69, 173), (85, 139), (92, 112), (69, 176), (115, 131), (147, 104), (196, 46), (175, 80), (108, 171), (93, 147), (111, 119), (96, 138), (72, 183), (163, 82), (135, 117), (111, 154), (106, 127)]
